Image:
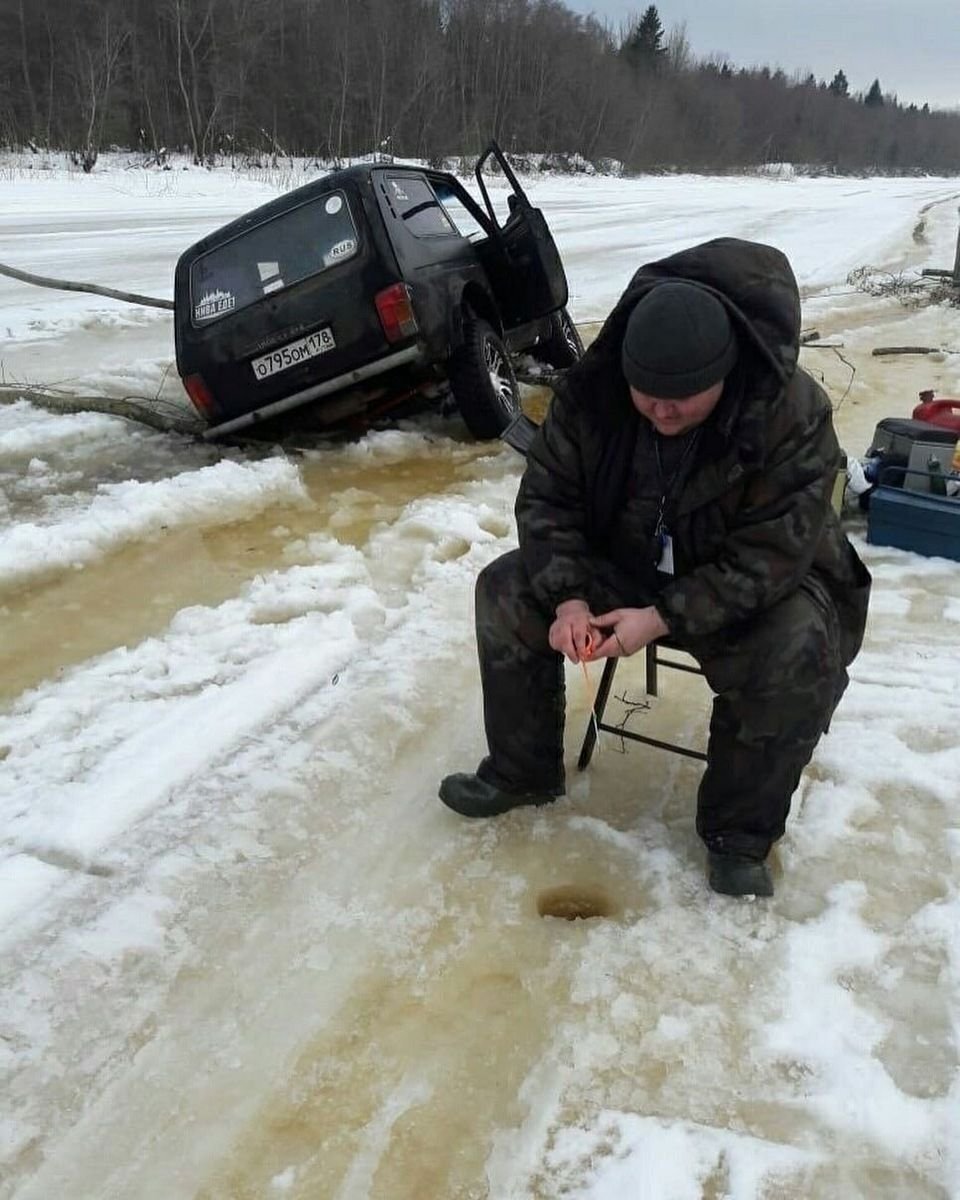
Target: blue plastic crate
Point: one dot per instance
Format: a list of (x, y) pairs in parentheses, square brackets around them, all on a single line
[(915, 521)]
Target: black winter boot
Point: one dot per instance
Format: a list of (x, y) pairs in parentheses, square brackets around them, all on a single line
[(471, 796), (737, 875)]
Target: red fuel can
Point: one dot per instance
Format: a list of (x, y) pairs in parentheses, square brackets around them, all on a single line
[(943, 412)]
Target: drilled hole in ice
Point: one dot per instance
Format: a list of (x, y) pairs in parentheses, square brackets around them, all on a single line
[(571, 902)]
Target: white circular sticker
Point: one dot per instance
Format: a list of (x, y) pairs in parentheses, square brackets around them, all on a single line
[(334, 204)]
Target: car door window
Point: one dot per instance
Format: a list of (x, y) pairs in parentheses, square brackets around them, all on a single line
[(503, 196), (414, 202), (465, 222), (503, 201)]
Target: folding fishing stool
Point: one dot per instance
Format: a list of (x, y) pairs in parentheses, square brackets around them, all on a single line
[(652, 663)]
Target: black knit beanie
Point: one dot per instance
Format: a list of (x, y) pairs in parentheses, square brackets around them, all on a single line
[(678, 341)]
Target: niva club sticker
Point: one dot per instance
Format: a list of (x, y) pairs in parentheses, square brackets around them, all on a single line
[(214, 304)]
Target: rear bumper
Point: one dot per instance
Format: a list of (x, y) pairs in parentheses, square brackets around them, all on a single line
[(412, 354)]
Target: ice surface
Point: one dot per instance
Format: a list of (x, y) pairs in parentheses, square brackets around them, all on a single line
[(246, 952)]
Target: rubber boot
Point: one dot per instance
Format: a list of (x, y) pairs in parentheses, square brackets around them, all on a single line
[(737, 875), (471, 796)]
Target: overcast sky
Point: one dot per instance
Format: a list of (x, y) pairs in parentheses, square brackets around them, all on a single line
[(912, 46)]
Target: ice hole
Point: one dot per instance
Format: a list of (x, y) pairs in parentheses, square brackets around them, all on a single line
[(571, 902)]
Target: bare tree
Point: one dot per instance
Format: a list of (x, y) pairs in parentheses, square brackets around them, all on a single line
[(192, 22), (679, 55), (25, 69), (94, 64)]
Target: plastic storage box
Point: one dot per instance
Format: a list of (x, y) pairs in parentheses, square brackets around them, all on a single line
[(915, 521), (923, 455), (894, 438)]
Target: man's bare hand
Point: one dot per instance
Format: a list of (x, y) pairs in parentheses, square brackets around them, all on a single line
[(624, 631), (572, 632)]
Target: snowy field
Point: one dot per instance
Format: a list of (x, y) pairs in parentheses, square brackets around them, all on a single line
[(245, 952)]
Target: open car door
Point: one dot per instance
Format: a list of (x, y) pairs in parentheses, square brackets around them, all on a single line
[(521, 257)]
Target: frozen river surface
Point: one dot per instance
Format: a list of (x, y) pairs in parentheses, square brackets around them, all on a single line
[(245, 952)]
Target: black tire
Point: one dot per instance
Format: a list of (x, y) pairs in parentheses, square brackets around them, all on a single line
[(562, 347), (482, 380)]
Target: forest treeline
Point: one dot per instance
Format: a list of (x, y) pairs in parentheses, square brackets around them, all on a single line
[(427, 78)]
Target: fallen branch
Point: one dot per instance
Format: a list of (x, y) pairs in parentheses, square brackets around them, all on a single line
[(633, 707), (936, 273), (910, 291), (132, 408), (907, 350), (811, 335), (66, 285), (853, 374)]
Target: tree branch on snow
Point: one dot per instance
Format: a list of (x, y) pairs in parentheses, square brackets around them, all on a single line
[(853, 374), (912, 291), (133, 408), (911, 350), (633, 708), (67, 285)]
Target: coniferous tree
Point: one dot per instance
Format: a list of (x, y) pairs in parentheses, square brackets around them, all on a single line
[(644, 48), (874, 97), (839, 85)]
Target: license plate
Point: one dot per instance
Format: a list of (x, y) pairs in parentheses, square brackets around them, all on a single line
[(285, 357)]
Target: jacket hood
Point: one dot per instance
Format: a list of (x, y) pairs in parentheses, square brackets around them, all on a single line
[(755, 282), (756, 285)]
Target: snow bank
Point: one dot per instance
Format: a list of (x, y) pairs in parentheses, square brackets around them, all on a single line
[(26, 431), (123, 512)]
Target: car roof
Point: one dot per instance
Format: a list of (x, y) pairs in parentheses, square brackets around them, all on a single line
[(332, 181)]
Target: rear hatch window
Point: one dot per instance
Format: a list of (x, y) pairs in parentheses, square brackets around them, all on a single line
[(288, 248)]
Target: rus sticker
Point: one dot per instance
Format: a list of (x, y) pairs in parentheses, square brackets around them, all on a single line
[(341, 250), (214, 304)]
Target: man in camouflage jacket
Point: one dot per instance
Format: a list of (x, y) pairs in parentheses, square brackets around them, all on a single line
[(680, 486)]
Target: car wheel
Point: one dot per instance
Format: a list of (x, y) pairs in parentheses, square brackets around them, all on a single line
[(483, 382), (562, 347)]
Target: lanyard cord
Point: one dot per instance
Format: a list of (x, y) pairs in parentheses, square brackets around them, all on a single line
[(666, 488)]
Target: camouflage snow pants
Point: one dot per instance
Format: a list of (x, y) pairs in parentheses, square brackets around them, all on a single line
[(777, 679)]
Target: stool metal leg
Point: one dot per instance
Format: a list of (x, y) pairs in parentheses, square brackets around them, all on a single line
[(651, 669), (603, 695), (652, 662)]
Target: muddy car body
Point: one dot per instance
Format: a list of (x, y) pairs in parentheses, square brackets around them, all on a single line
[(364, 285)]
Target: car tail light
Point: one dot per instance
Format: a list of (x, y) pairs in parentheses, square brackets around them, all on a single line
[(395, 309), (201, 396)]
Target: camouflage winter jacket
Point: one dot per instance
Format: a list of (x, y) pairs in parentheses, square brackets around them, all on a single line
[(753, 520)]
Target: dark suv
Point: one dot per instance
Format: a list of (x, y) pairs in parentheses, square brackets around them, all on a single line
[(365, 286)]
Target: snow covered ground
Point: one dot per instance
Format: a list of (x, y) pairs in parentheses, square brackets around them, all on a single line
[(245, 952)]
